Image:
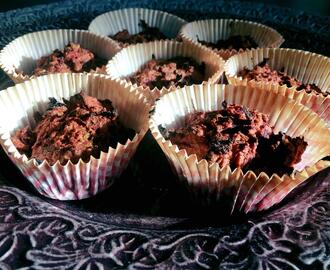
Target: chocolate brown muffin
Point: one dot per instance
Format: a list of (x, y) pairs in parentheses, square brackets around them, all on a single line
[(78, 128), (178, 71), (263, 73), (72, 58), (147, 34), (232, 43), (237, 137), (279, 153)]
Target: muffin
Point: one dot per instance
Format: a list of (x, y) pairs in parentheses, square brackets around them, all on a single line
[(238, 137), (176, 71), (159, 65), (264, 73), (303, 76), (146, 34), (233, 145), (136, 25), (53, 51), (227, 37), (71, 130), (236, 42), (72, 135), (73, 58)]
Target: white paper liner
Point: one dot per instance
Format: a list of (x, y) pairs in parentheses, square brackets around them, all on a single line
[(84, 179), (19, 57), (129, 60), (110, 23), (264, 197), (221, 29), (286, 115), (305, 66)]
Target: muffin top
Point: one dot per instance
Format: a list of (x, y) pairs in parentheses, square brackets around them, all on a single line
[(178, 71), (77, 128), (238, 137), (73, 58), (263, 73), (147, 34), (235, 42)]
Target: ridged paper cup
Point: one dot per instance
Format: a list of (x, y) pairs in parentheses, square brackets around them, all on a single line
[(110, 23), (19, 58), (242, 191), (131, 59), (221, 29), (72, 181), (305, 66)]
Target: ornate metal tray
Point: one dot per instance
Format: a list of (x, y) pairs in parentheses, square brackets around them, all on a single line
[(145, 221)]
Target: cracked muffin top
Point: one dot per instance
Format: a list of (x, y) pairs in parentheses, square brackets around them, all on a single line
[(238, 137)]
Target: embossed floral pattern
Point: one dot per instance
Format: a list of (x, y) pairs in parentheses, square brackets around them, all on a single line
[(37, 235)]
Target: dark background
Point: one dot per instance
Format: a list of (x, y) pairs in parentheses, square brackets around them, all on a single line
[(317, 7)]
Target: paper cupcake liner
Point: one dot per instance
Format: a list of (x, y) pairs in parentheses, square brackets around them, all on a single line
[(221, 29), (242, 191), (131, 59), (110, 23), (273, 195), (83, 179), (305, 66), (19, 57)]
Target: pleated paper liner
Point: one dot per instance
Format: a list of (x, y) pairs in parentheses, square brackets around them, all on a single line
[(221, 29), (273, 194), (240, 191), (132, 58), (110, 23), (82, 179), (19, 57), (305, 66)]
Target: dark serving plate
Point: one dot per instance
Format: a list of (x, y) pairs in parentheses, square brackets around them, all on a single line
[(145, 221)]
